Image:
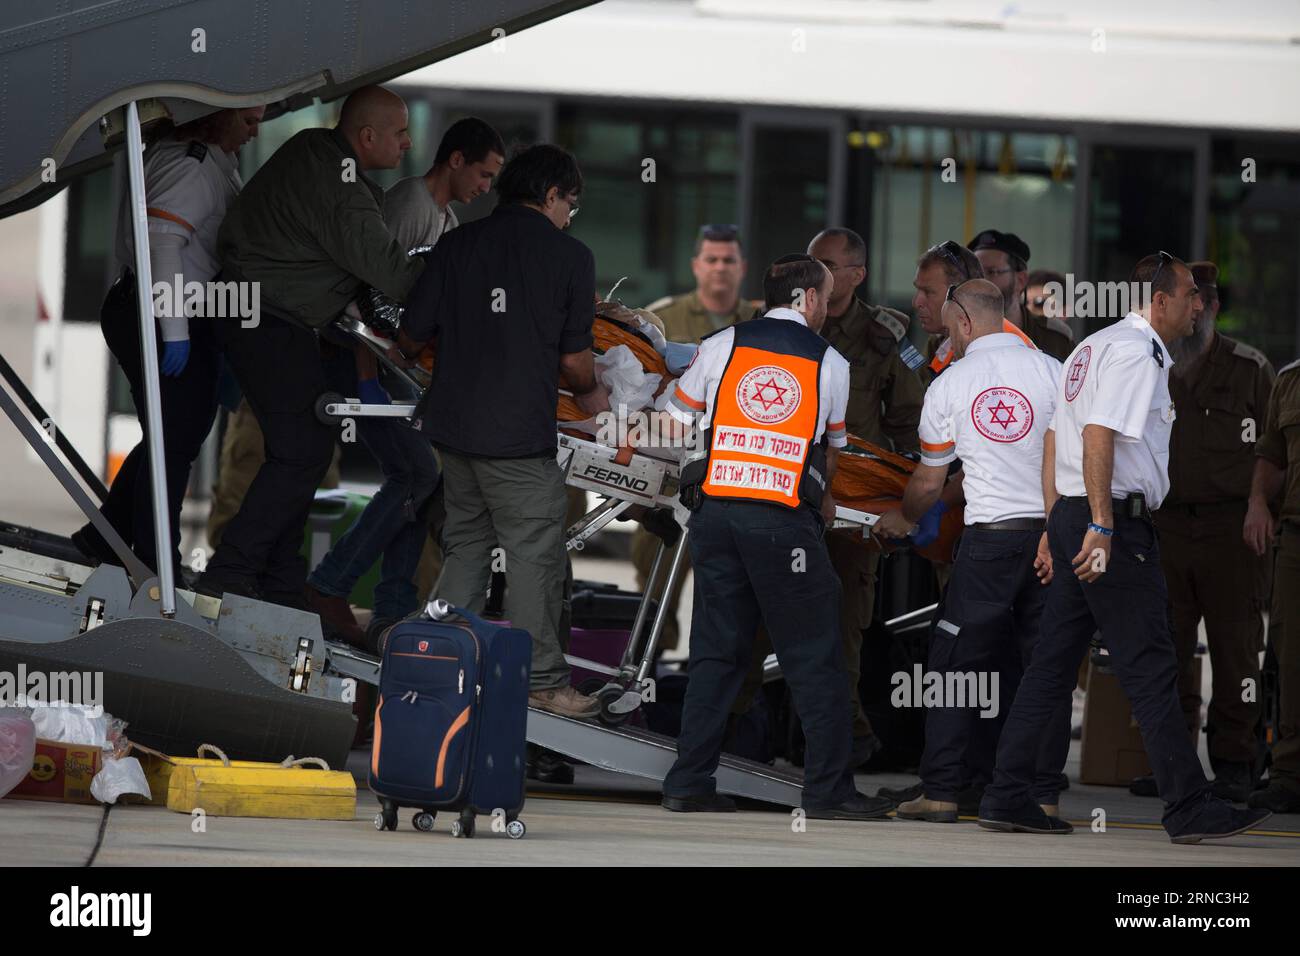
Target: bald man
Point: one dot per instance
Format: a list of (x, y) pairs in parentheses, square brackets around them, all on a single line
[(992, 410), (308, 234)]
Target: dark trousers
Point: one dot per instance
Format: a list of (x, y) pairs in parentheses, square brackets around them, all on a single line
[(189, 405), (988, 625), (1128, 605), (278, 366), (764, 562)]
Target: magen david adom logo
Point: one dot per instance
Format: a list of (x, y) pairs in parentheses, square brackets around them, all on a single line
[(768, 394), (1077, 372), (1002, 414)]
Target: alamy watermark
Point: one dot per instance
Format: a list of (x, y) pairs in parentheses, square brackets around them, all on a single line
[(24, 688), (212, 300), (1094, 300), (946, 689)]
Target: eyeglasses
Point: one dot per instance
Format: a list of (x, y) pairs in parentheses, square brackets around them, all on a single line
[(997, 272), (573, 205), (834, 268), (952, 252), (718, 232), (952, 297)]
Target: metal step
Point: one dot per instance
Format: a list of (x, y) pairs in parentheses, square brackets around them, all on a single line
[(644, 754)]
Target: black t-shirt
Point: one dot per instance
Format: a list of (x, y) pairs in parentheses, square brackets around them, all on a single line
[(505, 296)]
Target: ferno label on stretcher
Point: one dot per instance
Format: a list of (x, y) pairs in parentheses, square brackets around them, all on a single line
[(759, 441), (735, 474)]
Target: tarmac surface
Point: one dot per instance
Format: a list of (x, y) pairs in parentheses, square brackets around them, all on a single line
[(608, 819)]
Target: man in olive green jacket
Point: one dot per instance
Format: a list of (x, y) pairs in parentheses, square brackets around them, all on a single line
[(309, 231)]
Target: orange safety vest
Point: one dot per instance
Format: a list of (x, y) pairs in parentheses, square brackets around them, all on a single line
[(765, 416), (943, 354)]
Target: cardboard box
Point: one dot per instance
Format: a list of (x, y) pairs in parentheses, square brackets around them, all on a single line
[(1112, 752), (61, 773)]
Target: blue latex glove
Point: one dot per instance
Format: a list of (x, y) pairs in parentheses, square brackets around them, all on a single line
[(372, 393), (927, 529), (175, 355)]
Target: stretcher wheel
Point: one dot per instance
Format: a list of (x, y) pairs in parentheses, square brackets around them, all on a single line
[(607, 696), (329, 398), (424, 822), (515, 829)]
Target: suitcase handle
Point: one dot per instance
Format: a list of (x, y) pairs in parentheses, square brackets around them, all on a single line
[(439, 610)]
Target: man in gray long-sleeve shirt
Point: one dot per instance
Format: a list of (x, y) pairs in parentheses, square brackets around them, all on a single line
[(309, 231)]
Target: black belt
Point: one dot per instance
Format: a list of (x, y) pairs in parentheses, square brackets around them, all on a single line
[(1119, 505), (1011, 524)]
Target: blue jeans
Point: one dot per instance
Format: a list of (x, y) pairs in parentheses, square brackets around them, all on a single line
[(392, 524)]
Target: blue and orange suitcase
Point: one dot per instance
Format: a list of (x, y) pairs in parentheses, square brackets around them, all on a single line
[(451, 722)]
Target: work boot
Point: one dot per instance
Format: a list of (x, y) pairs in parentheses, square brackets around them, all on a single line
[(923, 808), (899, 795), (566, 702), (336, 618), (1216, 820), (1277, 796), (857, 807), (1028, 819), (1144, 787), (1232, 781)]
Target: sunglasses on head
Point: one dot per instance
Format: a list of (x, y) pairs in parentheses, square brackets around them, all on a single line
[(952, 297), (952, 252), (1164, 258)]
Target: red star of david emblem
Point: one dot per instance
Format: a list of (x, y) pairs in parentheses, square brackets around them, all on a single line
[(1075, 369), (1002, 414), (777, 392)]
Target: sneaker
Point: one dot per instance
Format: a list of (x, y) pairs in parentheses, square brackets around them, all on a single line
[(707, 803), (1217, 820), (1276, 797), (1028, 819), (565, 702), (546, 766), (933, 811), (1144, 787), (857, 807)]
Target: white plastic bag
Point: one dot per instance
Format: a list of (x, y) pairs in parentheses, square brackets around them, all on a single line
[(72, 724), (631, 387), (17, 749), (117, 777)]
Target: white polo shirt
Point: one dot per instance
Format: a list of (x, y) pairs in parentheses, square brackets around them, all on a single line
[(1119, 378), (991, 410), (697, 390), (187, 187)]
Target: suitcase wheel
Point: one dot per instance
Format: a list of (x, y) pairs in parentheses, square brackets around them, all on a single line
[(386, 818), (424, 821), (463, 827), (515, 829)]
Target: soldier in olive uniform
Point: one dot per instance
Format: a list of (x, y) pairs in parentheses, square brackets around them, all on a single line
[(885, 397), (1005, 259), (1277, 478), (719, 268), (1220, 390)]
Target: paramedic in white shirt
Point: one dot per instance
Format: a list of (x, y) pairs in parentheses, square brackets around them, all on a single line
[(1106, 458), (991, 409), (191, 174)]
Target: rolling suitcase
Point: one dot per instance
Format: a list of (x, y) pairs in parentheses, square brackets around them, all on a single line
[(451, 722)]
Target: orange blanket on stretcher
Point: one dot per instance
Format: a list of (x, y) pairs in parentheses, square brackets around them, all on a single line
[(869, 478)]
